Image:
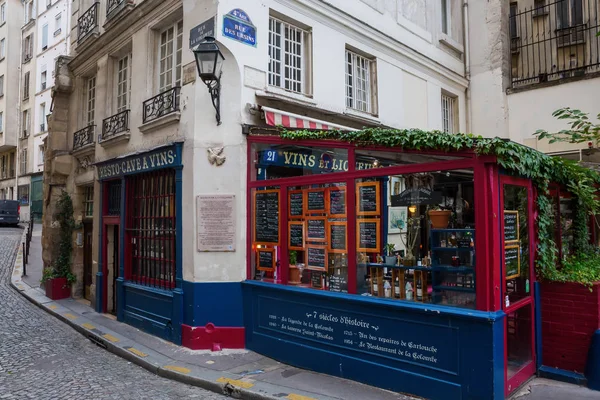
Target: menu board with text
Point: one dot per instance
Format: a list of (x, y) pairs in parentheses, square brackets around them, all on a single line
[(296, 235), (316, 257), (295, 204), (338, 237), (265, 259), (266, 217), (367, 235), (315, 201), (368, 198), (337, 202)]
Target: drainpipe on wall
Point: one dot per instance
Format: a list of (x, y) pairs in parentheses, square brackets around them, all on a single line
[(19, 122), (467, 62)]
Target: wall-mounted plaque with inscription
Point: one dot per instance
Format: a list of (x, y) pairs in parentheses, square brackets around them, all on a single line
[(316, 229), (215, 222), (316, 257), (337, 202), (338, 237), (296, 235), (265, 259), (368, 198), (266, 217), (295, 204), (367, 235), (511, 226), (315, 201), (512, 261)]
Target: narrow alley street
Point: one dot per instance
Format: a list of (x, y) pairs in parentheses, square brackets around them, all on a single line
[(42, 358)]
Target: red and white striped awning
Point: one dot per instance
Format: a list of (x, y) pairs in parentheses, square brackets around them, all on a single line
[(275, 117)]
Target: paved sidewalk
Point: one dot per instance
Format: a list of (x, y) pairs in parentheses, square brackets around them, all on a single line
[(237, 373), (546, 389)]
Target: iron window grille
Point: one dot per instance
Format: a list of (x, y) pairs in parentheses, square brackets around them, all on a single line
[(165, 103), (114, 125), (449, 114), (87, 22), (112, 5), (554, 41), (151, 228), (287, 45), (83, 137), (114, 197)]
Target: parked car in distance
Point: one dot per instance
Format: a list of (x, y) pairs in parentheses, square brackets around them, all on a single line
[(10, 212)]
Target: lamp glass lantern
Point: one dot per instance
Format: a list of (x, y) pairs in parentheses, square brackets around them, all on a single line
[(209, 60)]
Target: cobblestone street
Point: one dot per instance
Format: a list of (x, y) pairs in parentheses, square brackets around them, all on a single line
[(42, 358)]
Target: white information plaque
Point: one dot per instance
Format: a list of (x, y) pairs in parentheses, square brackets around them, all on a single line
[(215, 222)]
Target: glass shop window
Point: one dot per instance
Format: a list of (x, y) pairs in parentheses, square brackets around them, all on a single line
[(368, 159), (273, 161), (266, 233), (415, 237)]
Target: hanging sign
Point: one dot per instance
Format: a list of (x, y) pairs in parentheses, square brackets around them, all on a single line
[(238, 26), (199, 32), (411, 197)]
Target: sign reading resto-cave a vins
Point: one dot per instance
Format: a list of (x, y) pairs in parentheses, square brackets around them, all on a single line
[(163, 158)]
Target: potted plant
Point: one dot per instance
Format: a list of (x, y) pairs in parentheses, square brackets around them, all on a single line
[(390, 258), (294, 271), (58, 278), (439, 217)]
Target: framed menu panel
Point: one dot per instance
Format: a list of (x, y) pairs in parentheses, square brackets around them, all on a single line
[(337, 202), (338, 237), (266, 217), (367, 235), (296, 235), (512, 261), (295, 204), (511, 226), (316, 257), (368, 198), (265, 259), (316, 229), (316, 201)]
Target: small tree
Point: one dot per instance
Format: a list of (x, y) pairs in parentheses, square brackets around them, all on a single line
[(581, 128), (61, 267)]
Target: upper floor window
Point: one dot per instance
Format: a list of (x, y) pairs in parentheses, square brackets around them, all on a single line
[(26, 86), (359, 82), (123, 83), (29, 13), (1, 85), (170, 44), (43, 78), (90, 100), (3, 13), (45, 37), (2, 48), (41, 155), (446, 13), (449, 114), (57, 24), (287, 56), (569, 13), (43, 117), (28, 48), (26, 124), (1, 122)]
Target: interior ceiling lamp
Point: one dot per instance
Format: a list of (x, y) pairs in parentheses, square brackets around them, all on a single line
[(209, 61)]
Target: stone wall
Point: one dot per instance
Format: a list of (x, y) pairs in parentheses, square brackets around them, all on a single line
[(570, 315)]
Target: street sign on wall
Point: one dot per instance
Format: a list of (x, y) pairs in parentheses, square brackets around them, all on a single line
[(238, 26)]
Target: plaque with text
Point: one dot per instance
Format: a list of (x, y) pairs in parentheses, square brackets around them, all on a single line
[(316, 229), (367, 235), (338, 283), (511, 226), (315, 201), (512, 261), (266, 217), (295, 204), (367, 198), (216, 222), (316, 257), (337, 202), (338, 237), (296, 235), (265, 259)]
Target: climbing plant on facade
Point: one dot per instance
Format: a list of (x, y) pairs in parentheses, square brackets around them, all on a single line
[(518, 159)]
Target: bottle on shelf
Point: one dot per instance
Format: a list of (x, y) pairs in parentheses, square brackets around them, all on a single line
[(375, 286), (397, 288), (419, 285), (387, 289), (408, 291)]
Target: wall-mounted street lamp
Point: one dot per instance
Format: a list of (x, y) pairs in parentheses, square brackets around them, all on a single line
[(209, 61)]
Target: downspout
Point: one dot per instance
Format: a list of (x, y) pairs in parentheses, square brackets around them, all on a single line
[(19, 119), (467, 62)]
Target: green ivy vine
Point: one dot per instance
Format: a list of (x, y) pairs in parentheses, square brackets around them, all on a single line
[(516, 158)]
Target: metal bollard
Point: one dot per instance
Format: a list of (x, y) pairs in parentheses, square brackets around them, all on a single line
[(24, 262)]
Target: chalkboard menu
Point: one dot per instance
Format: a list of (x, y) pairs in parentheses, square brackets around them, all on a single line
[(316, 280), (367, 235), (315, 201), (296, 235), (266, 217), (316, 258), (266, 259), (337, 237), (316, 229), (338, 283), (511, 226), (337, 203), (367, 198), (296, 204), (512, 261)]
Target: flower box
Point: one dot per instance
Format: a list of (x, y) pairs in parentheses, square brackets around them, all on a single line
[(57, 288)]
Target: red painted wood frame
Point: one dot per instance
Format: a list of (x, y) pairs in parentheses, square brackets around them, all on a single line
[(486, 206), (528, 369)]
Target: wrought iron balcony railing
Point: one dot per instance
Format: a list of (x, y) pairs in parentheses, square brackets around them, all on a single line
[(83, 137), (161, 105), (114, 125), (87, 22), (554, 41), (112, 5)]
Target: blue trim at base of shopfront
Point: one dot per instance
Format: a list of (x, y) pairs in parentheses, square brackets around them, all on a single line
[(561, 375), (422, 349), (219, 303), (150, 310)]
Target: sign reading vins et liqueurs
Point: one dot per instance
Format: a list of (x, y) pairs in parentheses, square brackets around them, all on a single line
[(427, 344), (511, 225), (266, 217)]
